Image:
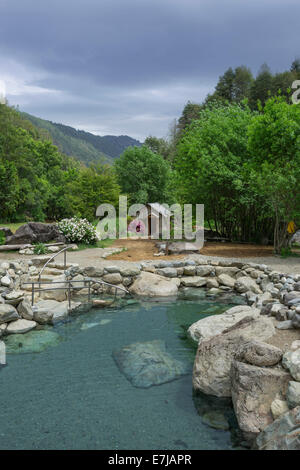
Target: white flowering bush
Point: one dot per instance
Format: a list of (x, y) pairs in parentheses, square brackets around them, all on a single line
[(78, 230)]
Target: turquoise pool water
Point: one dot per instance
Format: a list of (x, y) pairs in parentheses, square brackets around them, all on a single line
[(72, 395)]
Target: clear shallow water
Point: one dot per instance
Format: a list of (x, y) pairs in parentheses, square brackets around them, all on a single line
[(73, 396)]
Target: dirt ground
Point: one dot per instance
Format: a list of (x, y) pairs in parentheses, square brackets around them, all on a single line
[(144, 249)]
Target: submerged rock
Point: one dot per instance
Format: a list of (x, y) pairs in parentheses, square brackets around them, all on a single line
[(147, 364), (216, 419), (33, 342)]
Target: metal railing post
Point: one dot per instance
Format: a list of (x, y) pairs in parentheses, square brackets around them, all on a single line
[(32, 294), (69, 294), (89, 292)]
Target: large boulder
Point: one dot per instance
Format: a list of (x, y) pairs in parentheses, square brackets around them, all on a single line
[(213, 325), (20, 326), (35, 232), (211, 374), (153, 285), (282, 434), (253, 390), (147, 364), (25, 310), (8, 313)]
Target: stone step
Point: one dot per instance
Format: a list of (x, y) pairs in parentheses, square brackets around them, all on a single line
[(52, 271), (44, 277)]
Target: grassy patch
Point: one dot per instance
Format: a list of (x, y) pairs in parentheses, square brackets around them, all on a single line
[(100, 244), (290, 253), (13, 226)]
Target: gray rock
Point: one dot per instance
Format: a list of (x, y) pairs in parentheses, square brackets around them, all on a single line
[(282, 434), (229, 271), (152, 285), (212, 283), (25, 310), (147, 364), (226, 280), (213, 325), (253, 391), (189, 271), (43, 311), (244, 284), (5, 281), (285, 325), (193, 281), (293, 394), (291, 362), (35, 232), (296, 320), (78, 282), (204, 270), (130, 271), (13, 298), (258, 353), (92, 271), (168, 272), (59, 294), (8, 313), (113, 278), (278, 408), (112, 269), (20, 326)]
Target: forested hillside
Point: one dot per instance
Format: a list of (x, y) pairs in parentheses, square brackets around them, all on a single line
[(82, 145), (38, 182)]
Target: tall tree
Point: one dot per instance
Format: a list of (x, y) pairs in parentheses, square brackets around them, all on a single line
[(261, 87)]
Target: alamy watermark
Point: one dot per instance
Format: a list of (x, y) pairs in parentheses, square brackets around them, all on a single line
[(296, 94), (152, 220)]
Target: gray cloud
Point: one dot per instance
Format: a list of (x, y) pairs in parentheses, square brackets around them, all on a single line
[(129, 66)]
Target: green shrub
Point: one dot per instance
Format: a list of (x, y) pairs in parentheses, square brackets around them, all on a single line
[(2, 238), (40, 249)]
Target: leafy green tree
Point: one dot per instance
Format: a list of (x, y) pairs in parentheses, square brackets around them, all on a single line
[(190, 112), (211, 167), (158, 145), (143, 175), (261, 87), (274, 142)]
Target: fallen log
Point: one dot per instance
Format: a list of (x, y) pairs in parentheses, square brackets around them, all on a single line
[(22, 247)]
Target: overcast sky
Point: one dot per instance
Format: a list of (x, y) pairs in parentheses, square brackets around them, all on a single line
[(129, 66)]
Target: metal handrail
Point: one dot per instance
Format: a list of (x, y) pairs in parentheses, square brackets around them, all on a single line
[(64, 250), (69, 285)]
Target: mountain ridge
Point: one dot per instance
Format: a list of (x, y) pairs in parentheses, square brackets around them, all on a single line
[(84, 146)]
